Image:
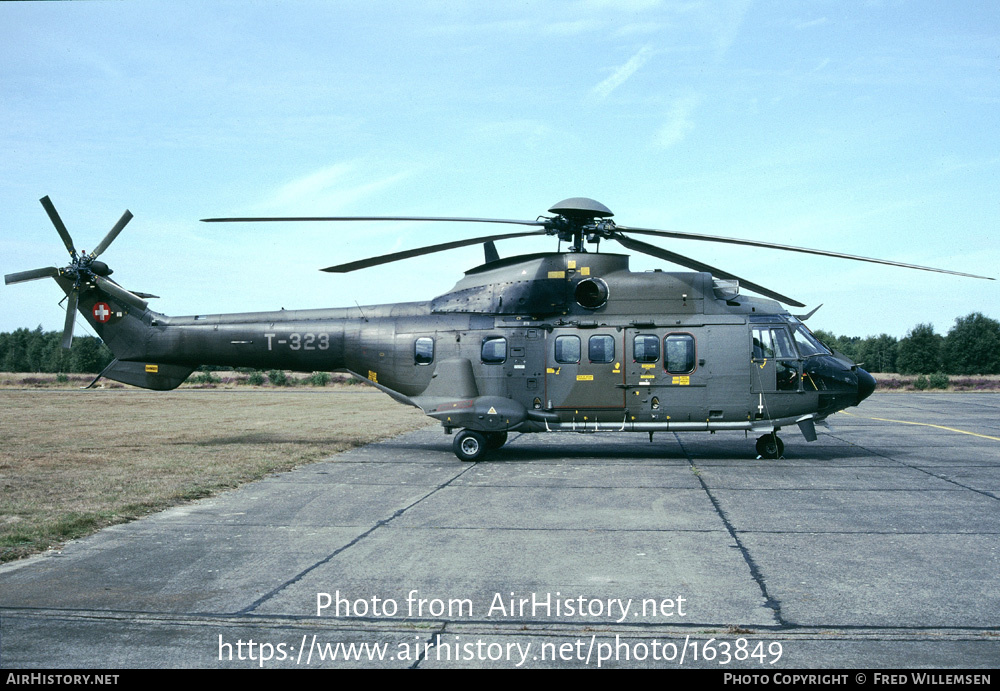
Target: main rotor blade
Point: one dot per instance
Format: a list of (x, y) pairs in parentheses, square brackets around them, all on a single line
[(33, 275), (430, 249), (50, 209), (113, 233), (116, 291), (689, 263), (452, 219), (787, 248), (67, 338)]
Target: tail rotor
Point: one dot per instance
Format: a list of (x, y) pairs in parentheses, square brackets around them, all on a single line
[(83, 270)]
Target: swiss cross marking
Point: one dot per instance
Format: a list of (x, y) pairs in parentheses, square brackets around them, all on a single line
[(102, 312)]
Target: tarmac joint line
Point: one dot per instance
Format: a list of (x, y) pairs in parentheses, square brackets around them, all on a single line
[(396, 514), (770, 602)]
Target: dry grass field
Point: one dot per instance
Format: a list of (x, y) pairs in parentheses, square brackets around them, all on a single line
[(72, 462)]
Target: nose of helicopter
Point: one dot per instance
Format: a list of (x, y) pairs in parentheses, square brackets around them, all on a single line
[(866, 385)]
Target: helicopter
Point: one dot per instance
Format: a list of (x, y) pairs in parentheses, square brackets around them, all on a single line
[(564, 341)]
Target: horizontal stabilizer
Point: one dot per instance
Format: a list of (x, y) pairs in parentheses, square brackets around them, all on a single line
[(147, 375)]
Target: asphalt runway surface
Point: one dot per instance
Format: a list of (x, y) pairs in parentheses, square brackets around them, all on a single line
[(874, 547)]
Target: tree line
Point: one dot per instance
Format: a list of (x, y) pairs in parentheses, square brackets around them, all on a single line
[(971, 346), (24, 350)]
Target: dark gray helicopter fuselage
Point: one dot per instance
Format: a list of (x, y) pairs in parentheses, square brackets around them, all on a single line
[(565, 341), (547, 342)]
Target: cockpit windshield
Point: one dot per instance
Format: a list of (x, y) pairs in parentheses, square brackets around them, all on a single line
[(808, 344)]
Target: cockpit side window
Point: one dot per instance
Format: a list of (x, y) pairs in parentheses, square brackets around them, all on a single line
[(762, 345), (782, 343), (772, 342)]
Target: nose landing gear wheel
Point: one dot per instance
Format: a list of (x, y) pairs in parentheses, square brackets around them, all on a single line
[(469, 445), (770, 446)]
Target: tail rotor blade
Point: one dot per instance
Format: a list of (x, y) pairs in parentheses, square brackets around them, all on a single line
[(116, 291), (113, 233), (71, 303), (50, 209), (33, 275)]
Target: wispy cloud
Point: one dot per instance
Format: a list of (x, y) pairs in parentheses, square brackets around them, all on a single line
[(328, 189), (810, 24), (529, 133), (729, 22), (570, 28), (623, 73), (679, 121)]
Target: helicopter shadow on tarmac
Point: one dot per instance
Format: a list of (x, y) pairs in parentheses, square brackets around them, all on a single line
[(618, 448)]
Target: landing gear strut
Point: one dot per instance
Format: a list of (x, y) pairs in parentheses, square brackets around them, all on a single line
[(770, 446)]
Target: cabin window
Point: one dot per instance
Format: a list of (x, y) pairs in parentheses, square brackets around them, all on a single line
[(494, 350), (567, 349), (423, 351), (646, 348), (678, 353), (601, 349)]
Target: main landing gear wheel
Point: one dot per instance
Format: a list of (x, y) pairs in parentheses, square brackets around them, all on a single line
[(469, 445), (494, 440), (770, 446)]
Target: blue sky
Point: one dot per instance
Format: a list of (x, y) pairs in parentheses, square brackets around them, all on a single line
[(867, 127)]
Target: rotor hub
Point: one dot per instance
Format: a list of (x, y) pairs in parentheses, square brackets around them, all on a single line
[(581, 207), (579, 219)]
